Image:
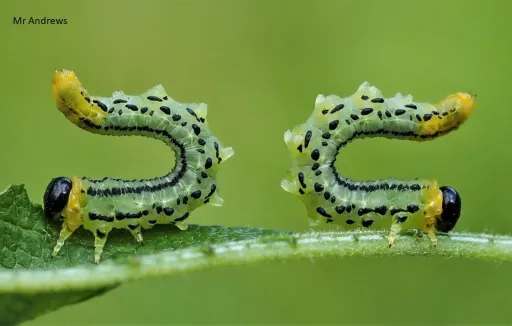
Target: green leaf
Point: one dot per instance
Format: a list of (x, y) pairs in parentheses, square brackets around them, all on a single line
[(33, 283)]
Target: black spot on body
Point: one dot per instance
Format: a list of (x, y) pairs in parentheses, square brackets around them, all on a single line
[(196, 194), (182, 218), (301, 180), (154, 98), (101, 105), (321, 211), (366, 223), (364, 97), (411, 106), (165, 109), (168, 211), (318, 187), (366, 111), (143, 110), (337, 108), (315, 166), (208, 164), (132, 107), (377, 100), (192, 113), (333, 124), (401, 219), (427, 117), (415, 187), (119, 101), (176, 117), (100, 234), (349, 222), (340, 209), (354, 116), (399, 112), (381, 210), (196, 128), (412, 208), (307, 138), (315, 154), (326, 135), (388, 114)]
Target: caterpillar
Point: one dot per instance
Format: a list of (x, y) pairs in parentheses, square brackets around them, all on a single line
[(328, 196), (99, 205)]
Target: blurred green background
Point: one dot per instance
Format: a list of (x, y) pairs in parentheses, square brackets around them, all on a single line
[(259, 66)]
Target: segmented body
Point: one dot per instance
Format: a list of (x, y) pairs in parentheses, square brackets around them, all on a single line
[(336, 121), (103, 204)]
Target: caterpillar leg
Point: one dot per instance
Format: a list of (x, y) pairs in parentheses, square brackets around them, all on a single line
[(135, 230), (64, 234), (100, 238), (432, 236), (396, 227)]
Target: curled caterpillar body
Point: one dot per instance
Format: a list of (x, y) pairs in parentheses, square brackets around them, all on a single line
[(103, 204), (330, 197)]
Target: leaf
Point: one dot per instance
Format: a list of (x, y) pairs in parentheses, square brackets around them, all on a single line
[(33, 283), (28, 290)]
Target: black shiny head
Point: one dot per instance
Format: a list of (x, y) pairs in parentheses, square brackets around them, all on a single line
[(451, 210), (56, 197)]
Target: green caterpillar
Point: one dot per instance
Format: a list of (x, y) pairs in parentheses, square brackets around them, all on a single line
[(335, 121), (101, 205)]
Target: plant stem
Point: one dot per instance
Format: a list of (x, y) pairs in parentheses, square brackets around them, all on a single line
[(276, 247)]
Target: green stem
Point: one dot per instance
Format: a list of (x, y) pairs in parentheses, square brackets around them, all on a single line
[(319, 244)]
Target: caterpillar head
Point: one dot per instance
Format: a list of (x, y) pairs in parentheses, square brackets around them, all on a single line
[(56, 197), (451, 210)]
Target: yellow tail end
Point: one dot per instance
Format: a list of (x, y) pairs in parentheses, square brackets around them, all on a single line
[(72, 99)]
